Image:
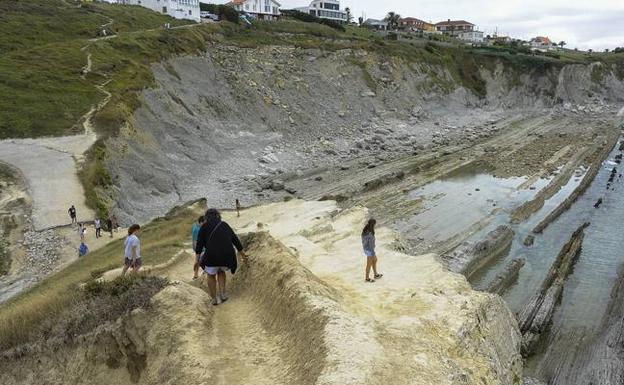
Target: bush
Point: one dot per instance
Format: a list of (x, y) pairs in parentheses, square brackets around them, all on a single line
[(306, 17), (225, 12), (100, 302)]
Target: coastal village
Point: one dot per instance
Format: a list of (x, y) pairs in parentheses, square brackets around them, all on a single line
[(392, 24)]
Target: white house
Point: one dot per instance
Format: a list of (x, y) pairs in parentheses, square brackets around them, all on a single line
[(180, 9), (260, 9), (376, 24), (471, 36), (325, 9)]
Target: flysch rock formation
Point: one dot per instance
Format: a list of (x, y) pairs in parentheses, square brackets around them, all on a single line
[(299, 313), (240, 121), (507, 277), (535, 318), (470, 257)]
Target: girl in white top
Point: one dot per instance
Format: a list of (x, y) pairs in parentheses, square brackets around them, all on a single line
[(132, 255)]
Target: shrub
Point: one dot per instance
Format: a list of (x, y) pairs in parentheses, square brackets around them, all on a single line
[(306, 17), (225, 12)]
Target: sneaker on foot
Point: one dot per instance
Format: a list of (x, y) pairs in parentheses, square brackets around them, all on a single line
[(224, 298), (215, 301)]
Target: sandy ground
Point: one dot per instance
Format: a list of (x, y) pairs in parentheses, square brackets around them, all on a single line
[(49, 168)]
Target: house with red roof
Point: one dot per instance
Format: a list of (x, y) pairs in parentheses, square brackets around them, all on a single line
[(454, 27), (414, 24)]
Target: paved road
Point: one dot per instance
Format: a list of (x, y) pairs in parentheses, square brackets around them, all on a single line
[(48, 166)]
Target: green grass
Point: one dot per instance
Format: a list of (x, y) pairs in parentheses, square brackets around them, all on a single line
[(160, 241)]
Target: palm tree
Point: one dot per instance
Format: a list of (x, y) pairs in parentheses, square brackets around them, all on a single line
[(349, 15), (392, 19), (562, 44)]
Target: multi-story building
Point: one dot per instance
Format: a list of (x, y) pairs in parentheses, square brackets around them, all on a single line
[(454, 27), (180, 9), (414, 24), (471, 36), (260, 9), (326, 9)]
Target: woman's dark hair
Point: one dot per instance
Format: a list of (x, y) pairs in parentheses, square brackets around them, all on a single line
[(133, 229), (200, 219), (212, 214), (370, 227)]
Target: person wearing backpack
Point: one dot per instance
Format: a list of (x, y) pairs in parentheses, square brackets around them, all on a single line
[(194, 235), (217, 241)]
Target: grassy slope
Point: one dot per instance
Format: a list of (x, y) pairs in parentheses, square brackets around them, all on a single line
[(41, 90), (160, 240)]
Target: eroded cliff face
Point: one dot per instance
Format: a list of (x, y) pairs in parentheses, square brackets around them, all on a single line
[(217, 125), (299, 313)]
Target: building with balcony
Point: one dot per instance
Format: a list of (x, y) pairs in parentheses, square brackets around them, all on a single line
[(454, 27), (180, 9), (326, 9), (259, 9)]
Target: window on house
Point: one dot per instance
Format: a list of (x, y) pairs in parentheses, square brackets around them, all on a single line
[(164, 9)]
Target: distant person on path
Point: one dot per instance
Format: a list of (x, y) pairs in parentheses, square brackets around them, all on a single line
[(82, 230), (82, 250), (217, 241), (109, 224), (115, 222), (238, 207), (132, 252), (98, 227), (368, 243), (72, 214), (194, 235)]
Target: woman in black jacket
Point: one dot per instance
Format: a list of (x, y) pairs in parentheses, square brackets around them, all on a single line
[(217, 241)]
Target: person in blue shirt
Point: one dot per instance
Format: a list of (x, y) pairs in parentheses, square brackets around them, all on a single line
[(83, 249), (195, 234)]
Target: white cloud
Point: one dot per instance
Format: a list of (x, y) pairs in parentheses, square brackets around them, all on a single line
[(596, 24)]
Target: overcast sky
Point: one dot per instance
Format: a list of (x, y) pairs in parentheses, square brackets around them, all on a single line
[(596, 24)]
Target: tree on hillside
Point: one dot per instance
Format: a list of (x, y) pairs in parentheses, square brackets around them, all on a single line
[(392, 18), (360, 20), (349, 15), (562, 44)]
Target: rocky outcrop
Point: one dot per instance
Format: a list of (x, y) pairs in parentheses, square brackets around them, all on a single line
[(471, 257), (535, 318), (224, 123), (507, 277), (299, 313)]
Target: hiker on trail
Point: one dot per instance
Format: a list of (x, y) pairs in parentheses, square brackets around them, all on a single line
[(72, 214), (238, 207), (132, 252), (82, 250), (368, 243), (195, 234), (98, 227), (82, 230), (109, 225), (115, 222), (217, 241)]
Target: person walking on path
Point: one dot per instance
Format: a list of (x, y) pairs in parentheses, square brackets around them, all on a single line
[(238, 207), (194, 235), (82, 230), (368, 243), (115, 222), (98, 227), (109, 225), (82, 250), (132, 252), (217, 241), (72, 214)]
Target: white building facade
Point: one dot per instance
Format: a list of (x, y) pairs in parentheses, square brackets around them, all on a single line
[(180, 9), (326, 9), (260, 9), (471, 36)]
